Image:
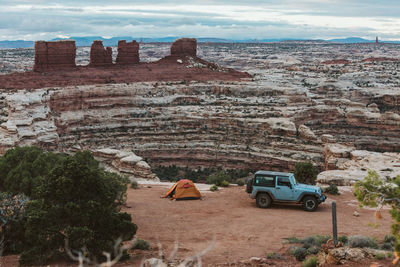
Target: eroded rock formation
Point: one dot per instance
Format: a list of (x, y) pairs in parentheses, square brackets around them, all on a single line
[(184, 47), (100, 56), (126, 163), (128, 52), (54, 55)]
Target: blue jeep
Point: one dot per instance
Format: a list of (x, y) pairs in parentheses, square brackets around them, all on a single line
[(267, 187)]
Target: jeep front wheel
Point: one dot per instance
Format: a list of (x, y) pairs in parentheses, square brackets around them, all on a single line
[(263, 201), (310, 203)]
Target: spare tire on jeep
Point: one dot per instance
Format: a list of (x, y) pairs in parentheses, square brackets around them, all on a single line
[(249, 185)]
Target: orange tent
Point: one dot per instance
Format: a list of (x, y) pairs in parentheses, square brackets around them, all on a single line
[(183, 190)]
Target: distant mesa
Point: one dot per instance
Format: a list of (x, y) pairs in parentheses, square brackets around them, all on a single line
[(55, 66)]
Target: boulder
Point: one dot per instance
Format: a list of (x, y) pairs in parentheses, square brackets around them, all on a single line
[(306, 133)]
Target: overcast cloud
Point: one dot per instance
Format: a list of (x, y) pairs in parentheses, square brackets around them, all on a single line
[(312, 19)]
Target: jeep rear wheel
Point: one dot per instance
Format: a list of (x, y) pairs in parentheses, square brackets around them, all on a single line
[(263, 201), (310, 203)]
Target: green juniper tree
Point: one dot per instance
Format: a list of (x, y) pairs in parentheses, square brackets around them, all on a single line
[(70, 197), (374, 191)]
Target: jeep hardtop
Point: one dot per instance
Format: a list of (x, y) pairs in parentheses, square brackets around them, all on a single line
[(268, 186)]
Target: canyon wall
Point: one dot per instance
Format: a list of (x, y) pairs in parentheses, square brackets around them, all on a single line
[(128, 53), (100, 56), (54, 55)]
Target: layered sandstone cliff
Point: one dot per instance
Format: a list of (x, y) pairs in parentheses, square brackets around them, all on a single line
[(293, 109)]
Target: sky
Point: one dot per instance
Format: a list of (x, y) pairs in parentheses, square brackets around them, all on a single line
[(233, 19)]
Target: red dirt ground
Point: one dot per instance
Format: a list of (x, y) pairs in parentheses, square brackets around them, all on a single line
[(166, 69), (241, 229)]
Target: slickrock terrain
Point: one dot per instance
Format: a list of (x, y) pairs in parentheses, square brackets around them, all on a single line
[(304, 102)]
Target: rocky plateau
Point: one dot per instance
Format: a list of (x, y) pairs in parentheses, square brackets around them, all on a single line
[(336, 105)]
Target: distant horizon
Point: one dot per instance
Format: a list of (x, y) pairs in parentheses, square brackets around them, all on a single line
[(277, 19), (204, 37)]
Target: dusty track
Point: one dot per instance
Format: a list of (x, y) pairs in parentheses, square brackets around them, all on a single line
[(241, 229)]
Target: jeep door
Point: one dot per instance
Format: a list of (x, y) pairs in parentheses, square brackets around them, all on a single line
[(283, 189)]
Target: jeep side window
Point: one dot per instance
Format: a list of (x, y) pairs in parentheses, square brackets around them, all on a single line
[(267, 181), (284, 181)]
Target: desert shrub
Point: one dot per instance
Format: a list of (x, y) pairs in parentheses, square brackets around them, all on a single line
[(344, 239), (387, 246), (240, 182), (300, 253), (373, 190), (71, 198), (315, 240), (360, 241), (218, 178), (213, 188), (273, 255), (389, 239), (141, 244), (134, 185), (380, 256), (225, 183), (331, 189), (310, 262), (389, 255), (313, 250), (292, 240), (305, 172)]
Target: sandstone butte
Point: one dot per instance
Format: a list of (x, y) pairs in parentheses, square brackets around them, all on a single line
[(55, 66)]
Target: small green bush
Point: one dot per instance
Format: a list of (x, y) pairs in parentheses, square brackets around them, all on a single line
[(344, 239), (218, 178), (305, 172), (240, 182), (331, 189), (141, 244), (389, 239), (387, 246), (359, 241), (134, 185), (315, 240), (213, 188), (313, 250), (225, 183), (310, 262), (273, 255), (380, 256), (389, 255), (300, 253), (292, 240)]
